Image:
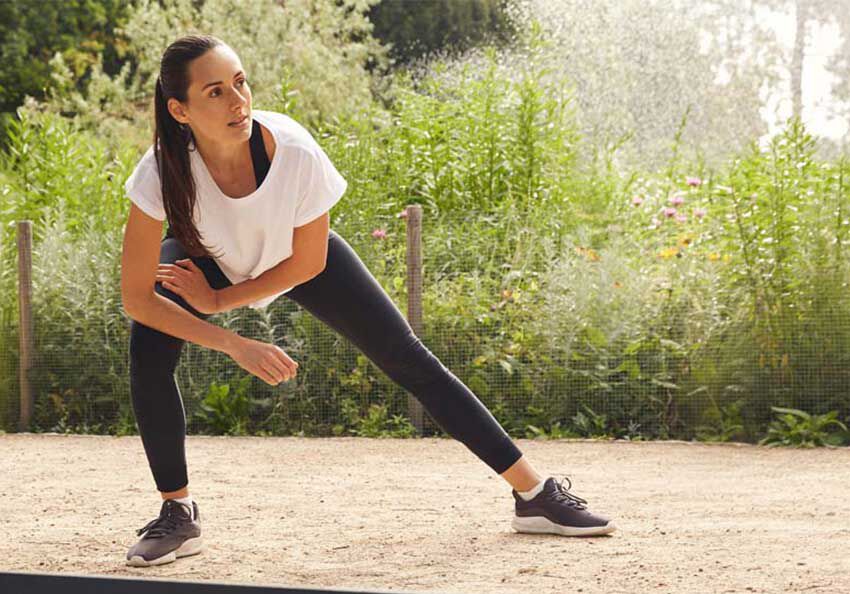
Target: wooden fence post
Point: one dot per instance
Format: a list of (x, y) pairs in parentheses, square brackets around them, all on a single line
[(25, 337), (415, 411)]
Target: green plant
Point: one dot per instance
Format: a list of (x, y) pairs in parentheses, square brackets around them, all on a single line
[(126, 423), (226, 412), (591, 424), (798, 428), (376, 423), (536, 421), (8, 363), (555, 431), (723, 422)]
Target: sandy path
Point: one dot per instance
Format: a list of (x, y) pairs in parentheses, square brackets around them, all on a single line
[(427, 515)]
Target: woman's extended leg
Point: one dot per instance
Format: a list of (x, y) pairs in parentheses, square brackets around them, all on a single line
[(156, 398), (350, 300), (347, 297)]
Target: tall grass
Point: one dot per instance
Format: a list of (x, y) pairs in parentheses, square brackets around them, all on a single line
[(50, 162)]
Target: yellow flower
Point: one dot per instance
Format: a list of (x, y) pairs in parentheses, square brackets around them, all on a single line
[(714, 256), (685, 240), (588, 253), (669, 252)]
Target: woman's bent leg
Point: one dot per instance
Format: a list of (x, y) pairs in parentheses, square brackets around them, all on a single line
[(346, 297), (156, 399)]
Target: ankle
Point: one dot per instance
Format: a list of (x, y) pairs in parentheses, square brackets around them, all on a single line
[(533, 491), (184, 492), (529, 483)]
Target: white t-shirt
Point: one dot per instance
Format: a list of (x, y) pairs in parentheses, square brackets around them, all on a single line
[(251, 234)]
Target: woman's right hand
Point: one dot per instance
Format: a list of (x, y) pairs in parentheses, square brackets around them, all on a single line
[(267, 361)]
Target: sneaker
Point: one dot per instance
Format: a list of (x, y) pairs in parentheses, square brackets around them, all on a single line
[(173, 534), (557, 511)]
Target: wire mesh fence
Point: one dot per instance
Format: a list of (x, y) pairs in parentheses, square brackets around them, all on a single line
[(564, 342)]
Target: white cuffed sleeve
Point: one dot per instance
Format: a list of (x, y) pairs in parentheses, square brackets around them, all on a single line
[(143, 189)]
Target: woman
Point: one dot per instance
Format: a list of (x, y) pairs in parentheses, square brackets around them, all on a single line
[(246, 194)]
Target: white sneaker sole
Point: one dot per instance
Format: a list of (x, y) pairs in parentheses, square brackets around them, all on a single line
[(192, 546), (542, 525)]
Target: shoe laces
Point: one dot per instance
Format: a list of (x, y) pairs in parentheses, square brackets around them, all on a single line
[(562, 493), (162, 525)]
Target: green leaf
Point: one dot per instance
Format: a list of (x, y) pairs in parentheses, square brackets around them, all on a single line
[(791, 411), (664, 384)]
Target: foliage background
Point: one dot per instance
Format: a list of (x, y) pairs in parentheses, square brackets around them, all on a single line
[(598, 261)]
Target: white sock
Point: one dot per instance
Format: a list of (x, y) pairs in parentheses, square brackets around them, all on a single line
[(188, 502), (532, 493)]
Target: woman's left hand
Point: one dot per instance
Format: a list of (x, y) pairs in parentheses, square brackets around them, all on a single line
[(187, 280)]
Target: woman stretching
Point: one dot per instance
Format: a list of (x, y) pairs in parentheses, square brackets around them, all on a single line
[(246, 194)]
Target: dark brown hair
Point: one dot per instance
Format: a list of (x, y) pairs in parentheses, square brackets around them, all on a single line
[(171, 140)]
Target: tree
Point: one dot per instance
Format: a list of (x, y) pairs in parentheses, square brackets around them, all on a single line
[(303, 57), (31, 31), (417, 29), (827, 11), (745, 38)]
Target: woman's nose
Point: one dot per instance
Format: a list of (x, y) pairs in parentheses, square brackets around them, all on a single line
[(241, 97)]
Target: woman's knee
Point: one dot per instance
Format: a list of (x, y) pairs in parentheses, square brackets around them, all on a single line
[(151, 350), (410, 362), (171, 250), (172, 296)]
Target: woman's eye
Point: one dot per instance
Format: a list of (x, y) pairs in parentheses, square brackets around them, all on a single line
[(241, 83)]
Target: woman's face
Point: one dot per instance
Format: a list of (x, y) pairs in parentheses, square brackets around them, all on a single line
[(218, 96)]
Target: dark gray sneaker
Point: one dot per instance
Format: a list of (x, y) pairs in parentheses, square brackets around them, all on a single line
[(557, 511), (173, 534)]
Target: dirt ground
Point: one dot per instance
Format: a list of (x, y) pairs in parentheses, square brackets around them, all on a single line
[(425, 515)]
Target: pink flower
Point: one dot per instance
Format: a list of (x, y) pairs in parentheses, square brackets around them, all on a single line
[(677, 200), (693, 181), (379, 233), (637, 201), (402, 214), (699, 213), (681, 218), (669, 212)]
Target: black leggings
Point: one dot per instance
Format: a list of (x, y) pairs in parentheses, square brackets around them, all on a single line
[(347, 298)]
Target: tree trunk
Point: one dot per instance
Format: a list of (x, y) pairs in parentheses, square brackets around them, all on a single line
[(802, 15)]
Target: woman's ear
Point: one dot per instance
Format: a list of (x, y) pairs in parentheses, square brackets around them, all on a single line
[(175, 108)]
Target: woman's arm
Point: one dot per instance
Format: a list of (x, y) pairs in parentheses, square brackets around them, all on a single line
[(139, 261), (139, 264), (309, 253)]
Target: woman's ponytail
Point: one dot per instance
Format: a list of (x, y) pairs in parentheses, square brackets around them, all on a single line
[(171, 140)]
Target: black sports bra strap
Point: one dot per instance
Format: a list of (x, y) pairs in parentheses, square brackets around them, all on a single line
[(258, 153), (259, 158)]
